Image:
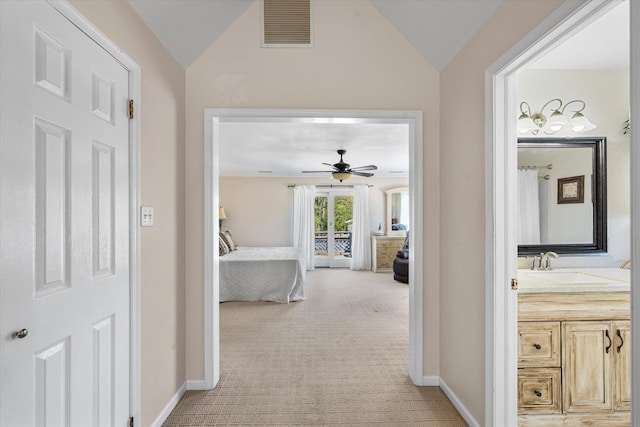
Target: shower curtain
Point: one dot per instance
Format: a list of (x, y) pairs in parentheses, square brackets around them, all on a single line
[(545, 211), (528, 207), (361, 231), (304, 222)]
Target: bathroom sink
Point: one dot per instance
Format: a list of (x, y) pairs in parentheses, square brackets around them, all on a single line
[(569, 277), (574, 280)]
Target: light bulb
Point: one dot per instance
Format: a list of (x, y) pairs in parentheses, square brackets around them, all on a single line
[(557, 121), (581, 124), (525, 124)]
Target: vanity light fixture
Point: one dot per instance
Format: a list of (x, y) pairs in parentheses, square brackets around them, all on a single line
[(534, 123)]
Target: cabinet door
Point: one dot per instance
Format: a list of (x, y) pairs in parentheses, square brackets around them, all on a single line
[(587, 349), (622, 366)]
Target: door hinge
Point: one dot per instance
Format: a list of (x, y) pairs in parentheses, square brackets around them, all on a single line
[(131, 422), (131, 109), (514, 284)]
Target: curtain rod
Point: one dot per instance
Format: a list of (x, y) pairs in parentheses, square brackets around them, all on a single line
[(549, 166), (328, 185)]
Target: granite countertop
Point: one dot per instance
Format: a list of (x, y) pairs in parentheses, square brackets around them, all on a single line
[(574, 280)]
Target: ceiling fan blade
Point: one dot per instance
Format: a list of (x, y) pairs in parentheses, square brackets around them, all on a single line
[(365, 168), (343, 167), (367, 174)]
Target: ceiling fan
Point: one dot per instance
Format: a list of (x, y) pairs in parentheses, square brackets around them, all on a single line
[(342, 170)]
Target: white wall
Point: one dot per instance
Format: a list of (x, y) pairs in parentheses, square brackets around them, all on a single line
[(260, 210), (462, 199), (606, 93)]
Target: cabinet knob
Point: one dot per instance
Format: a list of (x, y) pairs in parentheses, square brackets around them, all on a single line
[(539, 394), (537, 346), (22, 333)]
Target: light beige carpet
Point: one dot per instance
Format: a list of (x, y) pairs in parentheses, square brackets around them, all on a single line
[(337, 358)]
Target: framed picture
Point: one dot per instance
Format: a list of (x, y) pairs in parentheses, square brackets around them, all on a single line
[(571, 190)]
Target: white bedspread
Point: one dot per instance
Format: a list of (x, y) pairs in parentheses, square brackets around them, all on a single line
[(263, 274)]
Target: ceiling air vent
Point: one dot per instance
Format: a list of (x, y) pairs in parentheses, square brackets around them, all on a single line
[(286, 23)]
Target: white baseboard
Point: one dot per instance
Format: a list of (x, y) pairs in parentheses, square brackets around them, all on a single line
[(458, 404), (195, 385), (169, 406), (430, 381), (188, 385)]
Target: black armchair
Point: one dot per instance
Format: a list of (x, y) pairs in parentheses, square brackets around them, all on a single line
[(401, 263)]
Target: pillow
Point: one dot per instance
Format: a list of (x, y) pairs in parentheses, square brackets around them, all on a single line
[(223, 249), (232, 243), (228, 240)]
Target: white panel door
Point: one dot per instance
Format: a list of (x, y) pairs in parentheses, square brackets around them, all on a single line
[(64, 226)]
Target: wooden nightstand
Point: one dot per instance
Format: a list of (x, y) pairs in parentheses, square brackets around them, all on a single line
[(383, 252)]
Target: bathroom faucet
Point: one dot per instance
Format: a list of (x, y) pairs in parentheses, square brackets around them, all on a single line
[(545, 260), (535, 265)]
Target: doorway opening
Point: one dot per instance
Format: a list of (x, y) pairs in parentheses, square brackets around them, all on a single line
[(501, 166), (214, 118), (333, 211)]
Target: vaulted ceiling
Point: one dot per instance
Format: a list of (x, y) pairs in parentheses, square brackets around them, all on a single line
[(438, 29)]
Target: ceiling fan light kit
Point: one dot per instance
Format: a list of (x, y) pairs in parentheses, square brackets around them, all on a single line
[(341, 176), (343, 171)]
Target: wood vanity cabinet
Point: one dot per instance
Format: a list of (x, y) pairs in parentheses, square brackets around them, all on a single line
[(574, 359)]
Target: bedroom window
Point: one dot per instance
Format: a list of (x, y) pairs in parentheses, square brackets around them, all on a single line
[(333, 220)]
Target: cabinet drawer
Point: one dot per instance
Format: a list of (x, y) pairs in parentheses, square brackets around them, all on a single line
[(539, 391), (393, 244), (538, 344)]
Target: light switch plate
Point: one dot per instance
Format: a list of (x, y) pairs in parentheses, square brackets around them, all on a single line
[(146, 216)]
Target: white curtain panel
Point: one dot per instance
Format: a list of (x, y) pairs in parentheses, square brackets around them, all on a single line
[(304, 222), (528, 207), (404, 209), (361, 232)]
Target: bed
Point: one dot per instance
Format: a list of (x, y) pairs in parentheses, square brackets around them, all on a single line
[(263, 274)]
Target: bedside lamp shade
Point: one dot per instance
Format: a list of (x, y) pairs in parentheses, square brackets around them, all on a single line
[(221, 216)]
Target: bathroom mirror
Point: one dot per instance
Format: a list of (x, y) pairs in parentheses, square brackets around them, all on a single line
[(562, 195), (397, 211)]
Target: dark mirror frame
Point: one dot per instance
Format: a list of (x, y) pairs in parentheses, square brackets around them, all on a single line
[(599, 188)]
